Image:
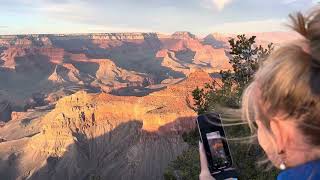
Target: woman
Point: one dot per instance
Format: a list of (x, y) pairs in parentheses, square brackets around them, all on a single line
[(284, 101)]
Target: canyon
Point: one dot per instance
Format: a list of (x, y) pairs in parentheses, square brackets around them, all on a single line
[(104, 106)]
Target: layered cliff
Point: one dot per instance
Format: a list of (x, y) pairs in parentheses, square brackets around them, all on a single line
[(118, 63), (101, 136)]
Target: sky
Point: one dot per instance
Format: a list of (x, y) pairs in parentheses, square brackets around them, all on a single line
[(199, 17)]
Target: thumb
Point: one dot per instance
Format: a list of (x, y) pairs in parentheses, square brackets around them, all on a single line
[(205, 173), (203, 158)]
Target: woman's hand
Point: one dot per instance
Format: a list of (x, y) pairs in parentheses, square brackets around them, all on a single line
[(205, 173)]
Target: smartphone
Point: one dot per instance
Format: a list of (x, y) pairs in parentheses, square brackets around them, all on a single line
[(212, 135)]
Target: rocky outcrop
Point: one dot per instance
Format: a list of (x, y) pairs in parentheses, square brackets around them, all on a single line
[(46, 41), (9, 55), (217, 59), (183, 35), (101, 136), (185, 60), (55, 77), (19, 115), (217, 40), (170, 60), (23, 42), (55, 55), (73, 74), (108, 73), (123, 36)]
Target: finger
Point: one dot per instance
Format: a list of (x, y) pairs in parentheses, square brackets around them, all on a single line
[(203, 158)]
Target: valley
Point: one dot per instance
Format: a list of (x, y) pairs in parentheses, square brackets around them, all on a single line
[(104, 106)]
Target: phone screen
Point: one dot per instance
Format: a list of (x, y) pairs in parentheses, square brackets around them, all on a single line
[(214, 141), (216, 148)]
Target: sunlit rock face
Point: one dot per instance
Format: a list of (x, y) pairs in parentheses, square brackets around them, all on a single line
[(101, 135)]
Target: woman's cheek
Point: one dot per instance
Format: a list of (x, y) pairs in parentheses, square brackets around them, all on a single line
[(266, 143), (261, 136), (263, 139)]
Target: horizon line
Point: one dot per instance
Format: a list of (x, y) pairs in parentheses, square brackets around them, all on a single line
[(146, 32)]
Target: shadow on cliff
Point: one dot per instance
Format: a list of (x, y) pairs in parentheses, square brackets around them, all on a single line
[(215, 43), (8, 167), (125, 152), (29, 71), (26, 81), (137, 91), (142, 57), (139, 56)]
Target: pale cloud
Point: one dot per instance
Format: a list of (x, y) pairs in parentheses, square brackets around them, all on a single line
[(69, 29), (70, 11), (251, 26), (215, 4), (220, 4)]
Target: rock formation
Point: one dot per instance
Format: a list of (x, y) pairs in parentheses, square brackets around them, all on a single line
[(217, 40), (55, 77), (120, 63), (100, 135)]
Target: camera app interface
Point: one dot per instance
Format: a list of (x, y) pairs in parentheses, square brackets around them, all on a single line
[(216, 148)]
